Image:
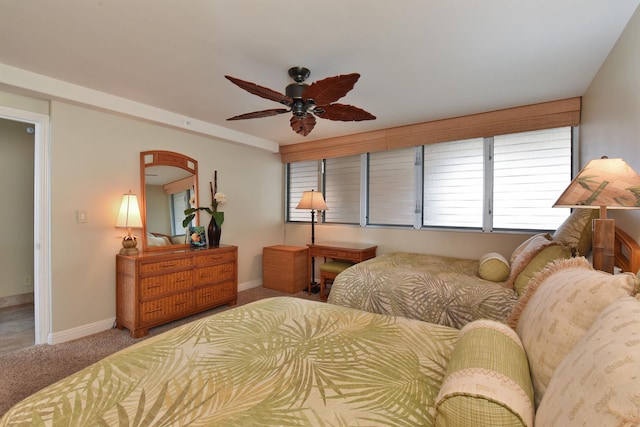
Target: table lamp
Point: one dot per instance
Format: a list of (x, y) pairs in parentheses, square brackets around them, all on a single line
[(315, 201), (603, 184), (129, 217)]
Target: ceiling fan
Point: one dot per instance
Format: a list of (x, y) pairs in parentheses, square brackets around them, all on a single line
[(305, 101)]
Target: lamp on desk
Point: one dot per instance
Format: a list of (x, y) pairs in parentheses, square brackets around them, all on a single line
[(315, 201), (601, 184), (129, 217)]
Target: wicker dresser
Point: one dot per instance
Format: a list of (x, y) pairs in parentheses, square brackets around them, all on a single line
[(158, 287)]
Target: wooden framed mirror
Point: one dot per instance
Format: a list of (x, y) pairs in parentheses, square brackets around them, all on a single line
[(169, 181)]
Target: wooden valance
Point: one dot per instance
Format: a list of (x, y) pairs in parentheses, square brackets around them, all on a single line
[(546, 115)]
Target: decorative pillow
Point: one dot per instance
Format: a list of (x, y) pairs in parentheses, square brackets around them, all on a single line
[(558, 307), (575, 231), (153, 241), (487, 381), (494, 267), (597, 384), (532, 256)]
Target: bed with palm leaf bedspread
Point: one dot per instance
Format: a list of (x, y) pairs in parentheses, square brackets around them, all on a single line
[(454, 291), (279, 361)]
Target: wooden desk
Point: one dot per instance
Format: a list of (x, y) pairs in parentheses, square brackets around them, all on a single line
[(353, 252)]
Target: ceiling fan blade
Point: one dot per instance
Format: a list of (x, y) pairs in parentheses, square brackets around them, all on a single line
[(331, 89), (343, 112), (261, 91), (258, 114), (303, 125)]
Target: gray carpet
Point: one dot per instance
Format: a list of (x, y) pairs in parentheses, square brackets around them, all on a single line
[(28, 370)]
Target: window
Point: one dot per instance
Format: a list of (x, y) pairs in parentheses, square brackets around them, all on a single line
[(454, 184), (506, 182), (342, 189), (391, 187), (302, 176), (530, 171), (178, 202)]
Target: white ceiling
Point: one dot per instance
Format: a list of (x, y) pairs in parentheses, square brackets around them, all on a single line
[(419, 60)]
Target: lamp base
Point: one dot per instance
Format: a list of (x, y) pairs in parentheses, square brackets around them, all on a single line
[(604, 244), (129, 246), (129, 251)]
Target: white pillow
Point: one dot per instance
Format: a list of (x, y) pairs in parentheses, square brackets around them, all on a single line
[(557, 309), (598, 383)]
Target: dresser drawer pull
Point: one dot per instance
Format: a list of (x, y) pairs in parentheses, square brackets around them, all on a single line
[(153, 286), (168, 264), (180, 303), (182, 280), (154, 311), (206, 295), (206, 274)]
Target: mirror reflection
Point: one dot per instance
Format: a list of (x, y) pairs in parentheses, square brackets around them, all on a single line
[(169, 186)]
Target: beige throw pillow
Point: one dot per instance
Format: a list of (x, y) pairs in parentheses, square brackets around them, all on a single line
[(532, 256), (598, 383), (576, 231), (494, 267), (558, 307)]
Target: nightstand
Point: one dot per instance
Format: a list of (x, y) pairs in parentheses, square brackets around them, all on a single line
[(285, 268)]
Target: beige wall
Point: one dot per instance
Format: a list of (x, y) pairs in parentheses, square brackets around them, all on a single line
[(16, 208), (611, 113), (95, 159)]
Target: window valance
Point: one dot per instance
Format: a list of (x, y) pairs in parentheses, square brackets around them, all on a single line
[(565, 112)]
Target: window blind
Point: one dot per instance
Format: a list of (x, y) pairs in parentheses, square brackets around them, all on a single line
[(531, 170), (303, 176), (391, 187), (453, 184), (342, 189)]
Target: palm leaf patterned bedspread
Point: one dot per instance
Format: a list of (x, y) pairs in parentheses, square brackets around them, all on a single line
[(280, 361), (431, 288)]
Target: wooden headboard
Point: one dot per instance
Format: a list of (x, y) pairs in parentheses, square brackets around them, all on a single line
[(627, 252)]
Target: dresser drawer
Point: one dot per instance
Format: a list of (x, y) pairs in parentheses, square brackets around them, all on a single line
[(156, 287), (215, 258), (214, 273), (162, 284), (214, 293), (336, 254), (166, 265), (165, 307)]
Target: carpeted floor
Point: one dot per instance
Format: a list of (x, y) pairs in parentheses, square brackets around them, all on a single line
[(28, 370)]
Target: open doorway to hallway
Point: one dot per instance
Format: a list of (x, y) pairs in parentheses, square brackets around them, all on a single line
[(35, 224), (17, 154)]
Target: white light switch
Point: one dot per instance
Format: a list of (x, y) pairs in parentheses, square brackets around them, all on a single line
[(81, 216)]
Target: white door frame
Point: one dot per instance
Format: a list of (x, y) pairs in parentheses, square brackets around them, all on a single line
[(41, 218)]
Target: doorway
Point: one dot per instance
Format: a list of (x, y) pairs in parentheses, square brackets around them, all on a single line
[(41, 218)]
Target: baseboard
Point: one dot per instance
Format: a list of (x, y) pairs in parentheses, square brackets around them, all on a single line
[(249, 285), (103, 325), (13, 300), (80, 331)]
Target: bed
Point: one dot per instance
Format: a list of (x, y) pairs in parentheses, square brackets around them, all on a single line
[(279, 361), (453, 291), (431, 288)]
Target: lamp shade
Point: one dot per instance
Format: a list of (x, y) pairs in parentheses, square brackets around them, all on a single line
[(609, 183), (129, 215), (312, 200)]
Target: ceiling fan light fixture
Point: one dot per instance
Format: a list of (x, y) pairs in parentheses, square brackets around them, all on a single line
[(295, 90), (305, 100)]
